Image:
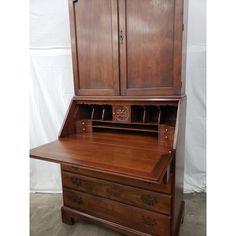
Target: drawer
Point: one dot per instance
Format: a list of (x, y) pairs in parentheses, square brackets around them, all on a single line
[(123, 193), (162, 188), (136, 218), (83, 126), (166, 135)]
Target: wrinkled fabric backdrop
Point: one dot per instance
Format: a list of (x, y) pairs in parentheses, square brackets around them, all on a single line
[(52, 88)]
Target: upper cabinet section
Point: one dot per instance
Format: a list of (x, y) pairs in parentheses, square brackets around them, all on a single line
[(94, 36), (127, 47)]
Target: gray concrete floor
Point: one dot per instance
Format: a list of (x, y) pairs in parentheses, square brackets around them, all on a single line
[(45, 218)]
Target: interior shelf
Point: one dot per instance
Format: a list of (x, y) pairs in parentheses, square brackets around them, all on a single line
[(134, 123), (131, 127)]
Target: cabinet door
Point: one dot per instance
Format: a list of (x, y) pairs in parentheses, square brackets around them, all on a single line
[(94, 37), (150, 46)]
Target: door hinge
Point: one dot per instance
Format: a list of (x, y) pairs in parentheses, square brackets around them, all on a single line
[(183, 27)]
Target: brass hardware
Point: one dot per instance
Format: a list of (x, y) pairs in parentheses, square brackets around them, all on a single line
[(149, 200), (149, 221), (78, 200), (76, 181), (121, 37), (114, 191)]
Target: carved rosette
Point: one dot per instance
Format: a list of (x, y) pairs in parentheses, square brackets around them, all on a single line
[(121, 113)]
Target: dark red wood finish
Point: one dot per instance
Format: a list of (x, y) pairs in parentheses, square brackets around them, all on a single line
[(139, 183), (121, 145), (129, 216), (94, 36), (151, 52), (123, 193), (124, 37), (132, 162)]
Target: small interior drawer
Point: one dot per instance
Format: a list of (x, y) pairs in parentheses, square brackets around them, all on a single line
[(129, 195)]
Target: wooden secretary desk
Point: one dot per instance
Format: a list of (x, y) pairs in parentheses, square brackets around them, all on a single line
[(121, 147)]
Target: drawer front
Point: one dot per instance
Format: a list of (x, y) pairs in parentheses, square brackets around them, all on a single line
[(83, 126), (123, 193), (139, 219), (166, 135), (162, 188)]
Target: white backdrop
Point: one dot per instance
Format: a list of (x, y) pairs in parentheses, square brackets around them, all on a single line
[(52, 89)]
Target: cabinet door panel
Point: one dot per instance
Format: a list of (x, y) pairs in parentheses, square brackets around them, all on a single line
[(94, 34), (147, 56)]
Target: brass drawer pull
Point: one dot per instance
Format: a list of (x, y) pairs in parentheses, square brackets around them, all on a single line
[(78, 200), (149, 221), (76, 181), (149, 200), (114, 191)]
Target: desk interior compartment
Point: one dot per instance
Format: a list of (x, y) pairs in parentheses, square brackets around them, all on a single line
[(140, 148)]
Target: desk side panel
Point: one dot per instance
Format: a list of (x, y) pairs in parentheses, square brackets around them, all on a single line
[(178, 203)]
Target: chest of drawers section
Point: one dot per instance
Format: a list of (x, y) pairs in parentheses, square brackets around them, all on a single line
[(145, 210)]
